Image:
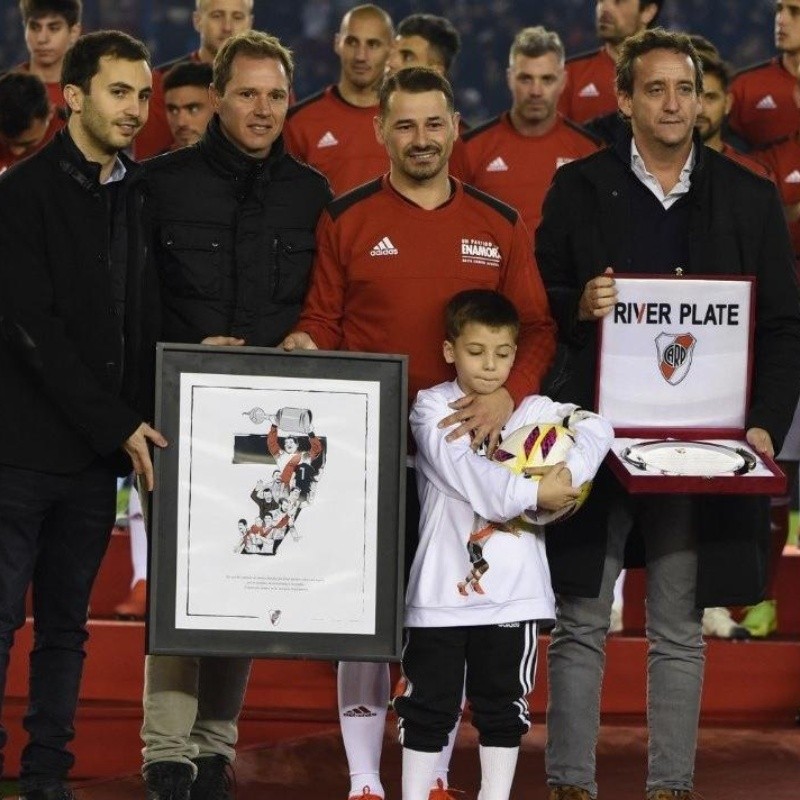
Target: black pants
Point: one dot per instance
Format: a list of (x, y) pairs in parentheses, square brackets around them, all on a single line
[(54, 531), (500, 664)]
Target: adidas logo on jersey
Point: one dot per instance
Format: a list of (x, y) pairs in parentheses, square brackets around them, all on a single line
[(590, 90), (498, 165), (792, 177), (359, 711), (384, 248), (766, 103), (328, 140)]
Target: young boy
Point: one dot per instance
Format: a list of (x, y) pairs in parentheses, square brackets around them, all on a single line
[(492, 633)]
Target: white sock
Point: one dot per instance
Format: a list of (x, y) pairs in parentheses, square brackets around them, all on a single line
[(619, 585), (443, 762), (498, 765), (418, 768), (363, 696), (138, 537)]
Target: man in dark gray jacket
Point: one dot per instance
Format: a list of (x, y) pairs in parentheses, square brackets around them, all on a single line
[(231, 222), (656, 201)]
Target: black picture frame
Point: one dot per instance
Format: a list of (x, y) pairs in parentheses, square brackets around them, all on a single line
[(387, 374)]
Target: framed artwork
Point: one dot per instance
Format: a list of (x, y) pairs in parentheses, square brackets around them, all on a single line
[(278, 515)]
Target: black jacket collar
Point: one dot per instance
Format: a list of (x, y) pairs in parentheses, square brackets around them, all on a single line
[(225, 157), (72, 161)]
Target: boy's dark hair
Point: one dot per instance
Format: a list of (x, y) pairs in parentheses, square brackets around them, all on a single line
[(254, 44), (483, 306), (82, 60), (23, 98), (242, 521), (33, 9), (189, 73), (415, 80), (439, 32), (654, 39)]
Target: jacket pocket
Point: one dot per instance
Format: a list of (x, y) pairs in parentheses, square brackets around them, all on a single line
[(196, 258), (294, 256)]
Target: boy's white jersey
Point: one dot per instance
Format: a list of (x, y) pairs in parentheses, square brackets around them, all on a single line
[(466, 570)]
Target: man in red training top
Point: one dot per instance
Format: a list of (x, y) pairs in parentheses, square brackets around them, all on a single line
[(332, 130), (390, 254), (763, 95), (590, 76), (514, 156)]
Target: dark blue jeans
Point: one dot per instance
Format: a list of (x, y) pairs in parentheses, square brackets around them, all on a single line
[(54, 531)]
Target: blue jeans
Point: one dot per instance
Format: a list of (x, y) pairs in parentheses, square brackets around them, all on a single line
[(54, 531), (676, 652)]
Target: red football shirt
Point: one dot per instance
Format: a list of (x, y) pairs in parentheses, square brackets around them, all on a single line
[(747, 161), (784, 161), (517, 169), (764, 109), (589, 91), (336, 138), (385, 269)]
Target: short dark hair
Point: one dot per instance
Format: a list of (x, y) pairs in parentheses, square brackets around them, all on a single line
[(255, 44), (23, 98), (646, 41), (439, 32), (82, 60), (415, 80), (242, 521), (714, 65), (69, 9), (482, 306), (189, 73)]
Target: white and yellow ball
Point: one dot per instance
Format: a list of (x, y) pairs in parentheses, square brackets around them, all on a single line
[(540, 445)]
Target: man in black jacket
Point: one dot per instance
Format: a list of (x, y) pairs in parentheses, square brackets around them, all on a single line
[(656, 201), (74, 349), (231, 223)]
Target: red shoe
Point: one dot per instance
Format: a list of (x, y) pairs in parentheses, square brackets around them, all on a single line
[(134, 606), (366, 794), (442, 793)]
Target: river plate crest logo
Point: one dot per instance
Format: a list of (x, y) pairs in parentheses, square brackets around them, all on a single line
[(675, 352)]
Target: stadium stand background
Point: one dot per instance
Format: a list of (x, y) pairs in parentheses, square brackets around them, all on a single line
[(742, 29)]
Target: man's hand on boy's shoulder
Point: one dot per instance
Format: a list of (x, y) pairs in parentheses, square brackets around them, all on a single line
[(480, 416)]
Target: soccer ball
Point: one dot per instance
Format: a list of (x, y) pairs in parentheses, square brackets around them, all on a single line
[(539, 445)]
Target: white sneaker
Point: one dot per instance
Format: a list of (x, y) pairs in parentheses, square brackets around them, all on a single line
[(615, 620), (717, 621)]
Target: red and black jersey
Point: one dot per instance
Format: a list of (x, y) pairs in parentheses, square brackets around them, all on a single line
[(517, 169), (337, 138), (747, 161), (783, 159), (764, 109), (385, 269), (589, 91)]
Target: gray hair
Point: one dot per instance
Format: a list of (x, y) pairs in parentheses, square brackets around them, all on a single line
[(535, 42)]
